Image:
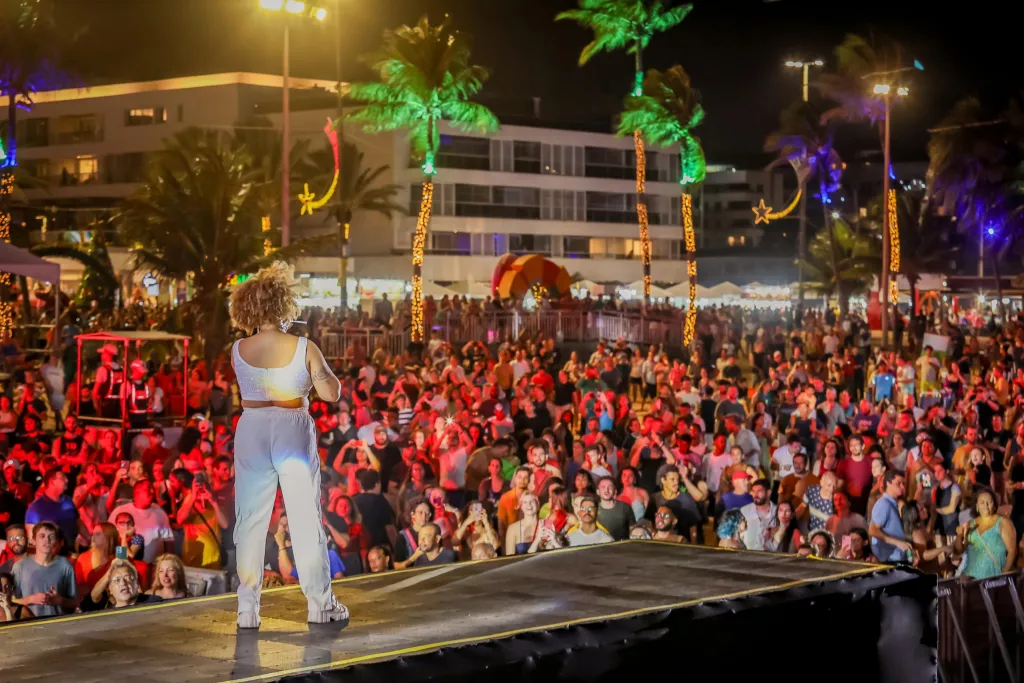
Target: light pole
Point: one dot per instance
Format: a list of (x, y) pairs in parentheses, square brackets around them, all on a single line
[(801, 248), (295, 8), (885, 89), (806, 66)]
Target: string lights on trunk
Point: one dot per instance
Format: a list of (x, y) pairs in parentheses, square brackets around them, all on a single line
[(894, 246), (691, 267), (419, 243)]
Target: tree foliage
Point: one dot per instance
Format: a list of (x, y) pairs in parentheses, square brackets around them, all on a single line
[(198, 215), (666, 113), (425, 77), (623, 24), (843, 261)]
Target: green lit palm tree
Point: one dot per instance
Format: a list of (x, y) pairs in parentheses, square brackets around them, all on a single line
[(198, 215), (425, 78), (665, 114), (358, 190), (629, 25)]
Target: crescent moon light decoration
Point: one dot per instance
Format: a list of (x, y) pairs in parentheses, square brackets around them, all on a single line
[(309, 204), (764, 214)]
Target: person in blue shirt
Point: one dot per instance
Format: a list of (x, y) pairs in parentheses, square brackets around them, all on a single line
[(883, 383), (888, 541), (53, 506)]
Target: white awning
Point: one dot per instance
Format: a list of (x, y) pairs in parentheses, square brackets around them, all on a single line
[(24, 263)]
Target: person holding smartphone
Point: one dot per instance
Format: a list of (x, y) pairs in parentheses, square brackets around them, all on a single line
[(475, 529), (130, 544)]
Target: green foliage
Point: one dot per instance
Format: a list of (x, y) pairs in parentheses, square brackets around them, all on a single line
[(623, 24), (425, 77), (99, 281), (843, 261), (197, 214), (358, 188), (850, 85), (665, 114)]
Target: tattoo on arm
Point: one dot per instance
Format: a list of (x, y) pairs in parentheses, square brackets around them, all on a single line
[(322, 374)]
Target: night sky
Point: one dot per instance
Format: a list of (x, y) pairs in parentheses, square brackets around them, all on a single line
[(733, 51)]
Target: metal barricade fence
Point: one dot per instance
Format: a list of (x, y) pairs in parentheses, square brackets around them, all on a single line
[(496, 326), (981, 629)]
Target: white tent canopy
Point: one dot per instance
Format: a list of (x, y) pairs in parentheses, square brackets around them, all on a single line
[(437, 291), (27, 264)]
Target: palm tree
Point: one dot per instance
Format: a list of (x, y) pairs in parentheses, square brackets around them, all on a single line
[(665, 114), (425, 78), (802, 141), (975, 175), (842, 261), (31, 49), (357, 190), (928, 244), (629, 25), (198, 216)]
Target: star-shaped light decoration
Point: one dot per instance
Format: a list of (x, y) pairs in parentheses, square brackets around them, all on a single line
[(761, 213), (306, 198)]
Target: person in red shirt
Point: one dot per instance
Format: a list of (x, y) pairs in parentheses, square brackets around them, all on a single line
[(541, 378), (854, 473), (155, 450)]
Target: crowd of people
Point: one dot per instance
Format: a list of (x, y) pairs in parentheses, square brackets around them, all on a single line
[(765, 437)]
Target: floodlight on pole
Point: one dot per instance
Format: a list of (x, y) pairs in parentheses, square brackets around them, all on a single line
[(806, 67)]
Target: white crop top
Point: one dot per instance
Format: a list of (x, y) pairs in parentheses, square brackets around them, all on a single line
[(274, 384)]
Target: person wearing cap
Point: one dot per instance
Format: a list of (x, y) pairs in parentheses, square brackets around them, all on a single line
[(740, 493), (136, 395), (106, 387)]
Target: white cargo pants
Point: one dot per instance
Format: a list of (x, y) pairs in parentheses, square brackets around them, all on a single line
[(278, 445)]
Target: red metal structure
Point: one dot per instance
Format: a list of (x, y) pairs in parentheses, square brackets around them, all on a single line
[(129, 339)]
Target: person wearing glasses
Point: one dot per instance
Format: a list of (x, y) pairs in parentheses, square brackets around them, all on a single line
[(588, 531)]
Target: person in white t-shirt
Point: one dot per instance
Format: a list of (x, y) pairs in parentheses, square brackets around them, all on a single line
[(151, 522), (588, 531), (782, 457)]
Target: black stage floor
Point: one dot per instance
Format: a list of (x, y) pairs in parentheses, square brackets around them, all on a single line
[(480, 609)]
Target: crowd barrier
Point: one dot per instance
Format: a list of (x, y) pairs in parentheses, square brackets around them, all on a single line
[(493, 327), (981, 629)]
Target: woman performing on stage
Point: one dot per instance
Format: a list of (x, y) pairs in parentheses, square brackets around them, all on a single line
[(275, 443)]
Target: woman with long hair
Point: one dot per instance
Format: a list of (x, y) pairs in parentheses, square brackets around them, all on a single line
[(345, 525), (421, 513), (275, 443), (521, 535), (92, 564), (989, 540), (169, 578), (787, 537)]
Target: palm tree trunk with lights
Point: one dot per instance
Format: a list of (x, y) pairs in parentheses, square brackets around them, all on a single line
[(641, 196), (419, 243), (690, 241)]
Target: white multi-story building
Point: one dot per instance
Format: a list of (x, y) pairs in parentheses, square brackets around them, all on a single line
[(567, 194)]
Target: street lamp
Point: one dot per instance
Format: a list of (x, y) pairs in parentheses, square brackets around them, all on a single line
[(295, 8), (806, 66), (885, 89)]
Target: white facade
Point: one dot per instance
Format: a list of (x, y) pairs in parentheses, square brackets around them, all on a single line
[(566, 194)]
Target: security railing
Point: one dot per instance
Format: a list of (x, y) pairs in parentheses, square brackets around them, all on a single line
[(494, 327), (981, 629)]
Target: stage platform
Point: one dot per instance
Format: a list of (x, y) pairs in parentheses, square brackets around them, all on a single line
[(577, 614)]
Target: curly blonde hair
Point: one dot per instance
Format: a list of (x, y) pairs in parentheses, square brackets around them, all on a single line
[(265, 298)]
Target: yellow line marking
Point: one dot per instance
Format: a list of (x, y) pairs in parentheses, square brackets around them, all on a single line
[(170, 604), (417, 649)]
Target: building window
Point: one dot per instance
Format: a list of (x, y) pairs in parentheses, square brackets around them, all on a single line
[(526, 156), (37, 168), (576, 247), (455, 243), (483, 201), (611, 207), (145, 117), (82, 169), (79, 129), (125, 168), (530, 244), (602, 162), (463, 151)]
